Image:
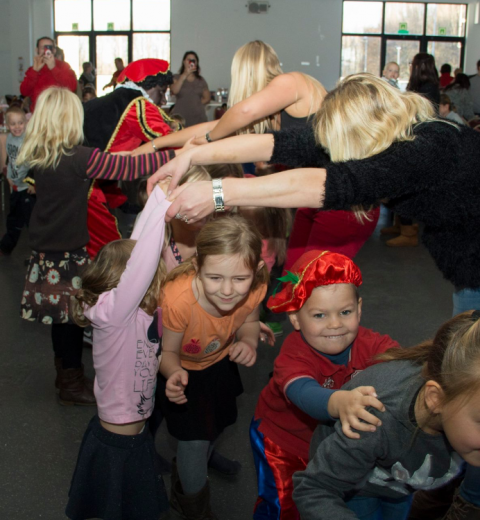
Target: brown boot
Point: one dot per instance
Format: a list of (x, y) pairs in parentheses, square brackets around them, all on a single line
[(73, 389), (394, 229), (408, 237), (462, 510), (190, 507), (432, 505), (58, 367)]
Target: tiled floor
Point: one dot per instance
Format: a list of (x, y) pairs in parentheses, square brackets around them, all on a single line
[(404, 295)]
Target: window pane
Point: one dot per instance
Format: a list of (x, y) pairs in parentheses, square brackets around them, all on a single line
[(362, 17), (446, 19), (109, 48), (360, 54), (73, 15), (446, 52), (76, 51), (111, 15), (151, 15), (403, 18), (150, 45), (402, 52)]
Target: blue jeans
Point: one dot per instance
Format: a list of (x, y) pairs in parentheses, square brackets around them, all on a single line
[(367, 508), (465, 300)]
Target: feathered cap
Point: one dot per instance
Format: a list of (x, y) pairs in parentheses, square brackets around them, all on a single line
[(139, 70), (313, 269)]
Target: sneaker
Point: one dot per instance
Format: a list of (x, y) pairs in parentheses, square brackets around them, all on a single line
[(275, 327)]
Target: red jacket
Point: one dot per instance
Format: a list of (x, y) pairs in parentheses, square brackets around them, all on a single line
[(35, 82)]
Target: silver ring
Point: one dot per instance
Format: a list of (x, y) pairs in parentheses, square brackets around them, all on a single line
[(185, 219), (179, 217)]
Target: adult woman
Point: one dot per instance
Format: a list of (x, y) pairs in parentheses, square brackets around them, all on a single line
[(190, 90), (384, 144), (459, 94), (424, 77)]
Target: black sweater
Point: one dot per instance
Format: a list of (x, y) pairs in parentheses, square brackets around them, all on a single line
[(435, 179)]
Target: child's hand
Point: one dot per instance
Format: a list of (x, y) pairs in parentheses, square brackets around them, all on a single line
[(243, 354), (349, 407), (31, 190), (266, 334), (175, 389)]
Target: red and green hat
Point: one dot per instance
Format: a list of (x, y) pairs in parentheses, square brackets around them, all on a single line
[(311, 270), (139, 70)]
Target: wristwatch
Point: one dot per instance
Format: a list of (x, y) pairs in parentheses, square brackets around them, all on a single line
[(218, 195)]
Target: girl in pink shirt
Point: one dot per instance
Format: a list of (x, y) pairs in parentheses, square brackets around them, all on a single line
[(117, 473)]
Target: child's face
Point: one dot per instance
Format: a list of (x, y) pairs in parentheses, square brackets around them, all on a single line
[(16, 124), (444, 110), (330, 318), (392, 72), (461, 425), (226, 281)]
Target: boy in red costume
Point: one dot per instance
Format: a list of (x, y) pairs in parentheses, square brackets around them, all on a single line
[(327, 349)]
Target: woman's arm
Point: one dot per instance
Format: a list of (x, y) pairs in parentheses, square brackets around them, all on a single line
[(178, 82), (280, 93), (126, 168), (175, 139)]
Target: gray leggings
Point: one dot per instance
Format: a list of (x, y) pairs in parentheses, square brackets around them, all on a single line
[(192, 463)]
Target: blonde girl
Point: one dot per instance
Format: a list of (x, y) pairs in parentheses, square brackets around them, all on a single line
[(262, 97), (210, 324), (117, 473), (432, 396), (62, 170)]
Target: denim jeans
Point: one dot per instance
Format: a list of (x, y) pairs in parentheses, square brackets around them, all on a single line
[(368, 508), (465, 300)]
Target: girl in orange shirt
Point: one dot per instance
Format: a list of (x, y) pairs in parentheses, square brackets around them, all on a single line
[(210, 326)]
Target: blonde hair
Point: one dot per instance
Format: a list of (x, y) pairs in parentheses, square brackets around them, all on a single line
[(55, 128), (232, 235), (220, 171), (104, 274), (254, 66), (194, 174), (452, 358)]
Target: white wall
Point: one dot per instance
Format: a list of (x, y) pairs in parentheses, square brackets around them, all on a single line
[(299, 30)]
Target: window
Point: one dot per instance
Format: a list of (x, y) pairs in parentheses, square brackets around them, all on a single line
[(101, 30), (375, 33)]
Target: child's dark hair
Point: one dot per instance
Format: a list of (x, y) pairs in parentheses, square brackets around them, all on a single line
[(231, 235), (104, 274), (452, 358), (445, 100), (15, 109)]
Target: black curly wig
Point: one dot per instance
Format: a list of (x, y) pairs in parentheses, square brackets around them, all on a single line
[(160, 80)]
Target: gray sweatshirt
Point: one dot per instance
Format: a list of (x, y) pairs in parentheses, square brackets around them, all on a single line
[(394, 461), (14, 173)]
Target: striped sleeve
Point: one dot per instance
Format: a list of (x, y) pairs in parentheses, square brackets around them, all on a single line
[(125, 168)]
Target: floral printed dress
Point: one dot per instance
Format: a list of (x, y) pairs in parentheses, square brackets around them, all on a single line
[(52, 279)]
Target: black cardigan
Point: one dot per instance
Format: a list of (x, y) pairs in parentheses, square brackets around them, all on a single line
[(435, 179)]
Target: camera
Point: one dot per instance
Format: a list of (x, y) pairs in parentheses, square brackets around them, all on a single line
[(47, 48)]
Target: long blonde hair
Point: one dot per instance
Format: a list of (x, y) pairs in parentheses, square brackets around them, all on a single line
[(364, 115), (104, 274), (55, 128), (231, 235), (254, 66)]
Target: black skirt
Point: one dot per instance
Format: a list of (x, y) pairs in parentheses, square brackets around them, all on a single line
[(52, 278), (212, 402), (116, 478)]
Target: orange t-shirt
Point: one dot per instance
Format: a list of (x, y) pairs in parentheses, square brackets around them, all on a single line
[(206, 338)]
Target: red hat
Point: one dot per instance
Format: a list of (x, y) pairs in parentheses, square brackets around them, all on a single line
[(138, 70), (313, 269)]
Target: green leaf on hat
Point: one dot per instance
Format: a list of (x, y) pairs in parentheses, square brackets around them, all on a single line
[(289, 277)]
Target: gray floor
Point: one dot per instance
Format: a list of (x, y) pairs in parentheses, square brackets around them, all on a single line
[(404, 296)]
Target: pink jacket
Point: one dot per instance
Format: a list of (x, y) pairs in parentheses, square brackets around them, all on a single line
[(124, 357)]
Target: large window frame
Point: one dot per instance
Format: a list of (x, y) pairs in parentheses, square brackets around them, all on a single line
[(423, 39), (92, 34)]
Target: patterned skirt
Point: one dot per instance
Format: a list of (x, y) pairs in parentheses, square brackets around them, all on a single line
[(52, 278)]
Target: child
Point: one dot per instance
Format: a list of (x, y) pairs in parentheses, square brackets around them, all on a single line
[(62, 169), (21, 196), (445, 110), (391, 72), (327, 349), (432, 396), (117, 474), (210, 323)]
